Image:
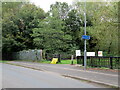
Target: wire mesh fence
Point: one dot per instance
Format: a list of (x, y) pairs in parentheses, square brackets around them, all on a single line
[(28, 55), (23, 55)]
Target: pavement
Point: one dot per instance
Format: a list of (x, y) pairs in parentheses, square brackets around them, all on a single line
[(103, 77)]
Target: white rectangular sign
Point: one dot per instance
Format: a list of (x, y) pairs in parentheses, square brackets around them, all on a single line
[(90, 53), (78, 53), (100, 53)]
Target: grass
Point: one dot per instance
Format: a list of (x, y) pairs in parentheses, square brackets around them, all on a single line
[(1, 61), (48, 62), (44, 61), (68, 62), (105, 68), (62, 61)]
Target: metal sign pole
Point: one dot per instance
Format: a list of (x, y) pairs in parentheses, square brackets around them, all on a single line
[(85, 56)]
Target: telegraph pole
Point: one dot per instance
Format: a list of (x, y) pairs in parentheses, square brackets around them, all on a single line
[(85, 51)]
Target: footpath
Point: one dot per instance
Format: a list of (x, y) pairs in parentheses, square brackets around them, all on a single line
[(103, 77)]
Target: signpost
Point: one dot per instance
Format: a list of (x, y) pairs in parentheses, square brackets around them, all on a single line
[(85, 37), (85, 57)]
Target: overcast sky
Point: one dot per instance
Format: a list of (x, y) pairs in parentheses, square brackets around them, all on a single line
[(45, 4)]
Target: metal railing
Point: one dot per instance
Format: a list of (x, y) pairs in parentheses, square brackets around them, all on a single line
[(96, 61)]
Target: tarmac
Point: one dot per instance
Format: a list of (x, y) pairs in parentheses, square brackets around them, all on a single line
[(106, 77)]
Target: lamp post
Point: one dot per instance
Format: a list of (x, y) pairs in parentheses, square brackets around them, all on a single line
[(85, 51)]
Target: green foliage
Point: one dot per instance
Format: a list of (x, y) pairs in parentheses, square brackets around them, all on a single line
[(103, 29), (62, 62), (107, 27), (17, 25), (50, 37), (59, 10), (1, 61), (26, 26), (73, 24)]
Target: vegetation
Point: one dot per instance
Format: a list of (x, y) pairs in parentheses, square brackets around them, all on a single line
[(62, 62), (26, 26), (3, 61)]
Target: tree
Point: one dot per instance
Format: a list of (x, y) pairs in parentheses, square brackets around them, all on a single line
[(26, 26), (104, 28), (8, 26), (59, 10), (18, 24), (73, 24), (50, 37), (28, 18)]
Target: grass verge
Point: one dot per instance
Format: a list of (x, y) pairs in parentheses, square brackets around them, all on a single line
[(62, 62), (1, 61)]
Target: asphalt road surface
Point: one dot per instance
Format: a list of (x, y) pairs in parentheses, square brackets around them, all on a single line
[(20, 77)]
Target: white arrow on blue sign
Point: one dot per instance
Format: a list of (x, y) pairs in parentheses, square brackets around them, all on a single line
[(85, 37)]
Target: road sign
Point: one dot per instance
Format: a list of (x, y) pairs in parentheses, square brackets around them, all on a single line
[(100, 53), (90, 53), (85, 37), (78, 53)]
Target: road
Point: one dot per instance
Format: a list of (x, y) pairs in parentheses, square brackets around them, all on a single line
[(104, 77), (20, 77)]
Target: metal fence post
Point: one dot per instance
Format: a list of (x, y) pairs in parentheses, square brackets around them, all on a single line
[(77, 59), (83, 60), (59, 58), (72, 59), (46, 56), (111, 63)]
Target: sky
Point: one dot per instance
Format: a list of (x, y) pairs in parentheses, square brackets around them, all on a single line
[(45, 4)]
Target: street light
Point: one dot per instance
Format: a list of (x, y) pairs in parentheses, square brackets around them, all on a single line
[(85, 56)]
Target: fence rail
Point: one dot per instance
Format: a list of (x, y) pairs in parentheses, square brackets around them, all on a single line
[(95, 61)]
